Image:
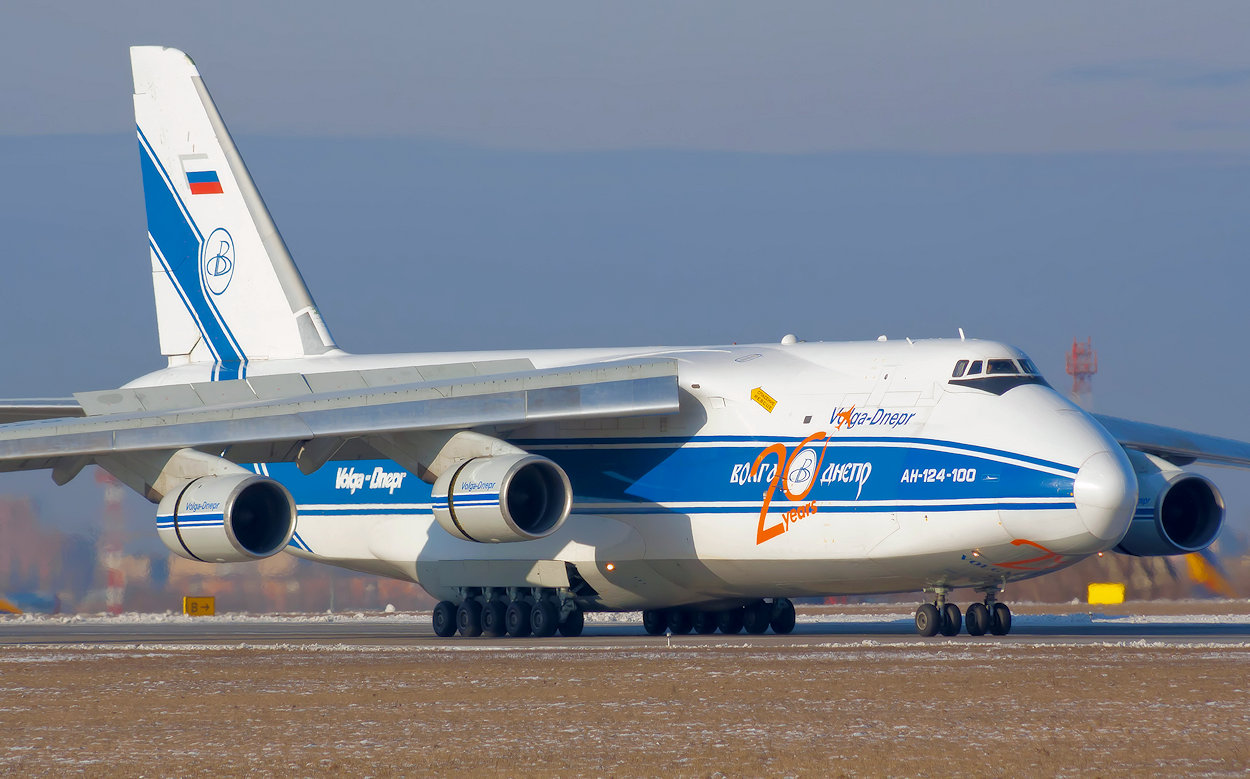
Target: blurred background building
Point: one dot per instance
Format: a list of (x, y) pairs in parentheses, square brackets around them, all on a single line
[(112, 565)]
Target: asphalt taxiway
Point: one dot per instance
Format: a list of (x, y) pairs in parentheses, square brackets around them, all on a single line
[(1079, 628)]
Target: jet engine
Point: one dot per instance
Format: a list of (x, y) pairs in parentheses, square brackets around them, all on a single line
[(1178, 512), (227, 518), (515, 497)]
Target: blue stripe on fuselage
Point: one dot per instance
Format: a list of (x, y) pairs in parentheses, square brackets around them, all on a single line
[(717, 478)]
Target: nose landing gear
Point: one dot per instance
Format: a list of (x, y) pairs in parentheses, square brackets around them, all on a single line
[(942, 617)]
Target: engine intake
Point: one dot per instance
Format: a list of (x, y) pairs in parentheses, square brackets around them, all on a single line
[(494, 500), (1178, 512), (227, 519)]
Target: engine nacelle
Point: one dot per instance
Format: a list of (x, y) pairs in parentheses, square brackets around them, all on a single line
[(494, 500), (227, 519), (1178, 512)]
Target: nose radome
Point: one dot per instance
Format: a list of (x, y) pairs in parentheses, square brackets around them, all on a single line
[(1105, 491)]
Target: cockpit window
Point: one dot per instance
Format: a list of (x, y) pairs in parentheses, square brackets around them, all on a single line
[(1000, 375)]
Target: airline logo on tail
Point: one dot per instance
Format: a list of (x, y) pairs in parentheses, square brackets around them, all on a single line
[(218, 261)]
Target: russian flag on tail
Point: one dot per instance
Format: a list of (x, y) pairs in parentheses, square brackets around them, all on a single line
[(204, 182)]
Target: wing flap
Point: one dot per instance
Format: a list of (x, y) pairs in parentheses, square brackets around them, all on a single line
[(28, 409), (1172, 444), (638, 387), (279, 386)]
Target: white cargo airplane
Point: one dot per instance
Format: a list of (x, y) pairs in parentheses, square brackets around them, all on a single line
[(705, 486)]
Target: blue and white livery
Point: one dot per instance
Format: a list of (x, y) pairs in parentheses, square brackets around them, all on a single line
[(705, 486)]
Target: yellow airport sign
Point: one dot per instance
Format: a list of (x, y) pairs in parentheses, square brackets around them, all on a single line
[(1106, 593), (199, 605)]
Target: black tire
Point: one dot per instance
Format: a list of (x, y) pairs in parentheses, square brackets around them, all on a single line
[(755, 617), (494, 615), (729, 621), (680, 621), (469, 619), (544, 619), (928, 621), (444, 619), (952, 620), (704, 622), (654, 621), (573, 624), (1000, 620), (977, 619), (783, 617), (517, 618)]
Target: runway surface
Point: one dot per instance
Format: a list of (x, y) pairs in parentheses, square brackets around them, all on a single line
[(617, 630)]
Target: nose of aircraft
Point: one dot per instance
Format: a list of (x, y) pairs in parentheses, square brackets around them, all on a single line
[(1106, 494)]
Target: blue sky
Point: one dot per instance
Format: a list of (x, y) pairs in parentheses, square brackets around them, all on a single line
[(556, 174), (728, 76)]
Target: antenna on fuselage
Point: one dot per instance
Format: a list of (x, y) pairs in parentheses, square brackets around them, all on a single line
[(961, 334)]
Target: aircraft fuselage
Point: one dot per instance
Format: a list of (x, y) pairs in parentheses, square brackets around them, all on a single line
[(791, 470)]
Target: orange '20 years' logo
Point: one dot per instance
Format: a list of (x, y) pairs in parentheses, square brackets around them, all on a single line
[(796, 475)]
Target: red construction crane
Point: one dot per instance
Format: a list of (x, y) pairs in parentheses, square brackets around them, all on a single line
[(1082, 364)]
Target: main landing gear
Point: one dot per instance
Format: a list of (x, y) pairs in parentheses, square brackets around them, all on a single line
[(756, 617), (945, 618), (508, 611)]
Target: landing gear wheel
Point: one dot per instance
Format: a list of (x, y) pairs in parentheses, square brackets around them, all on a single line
[(928, 621), (729, 621), (654, 621), (469, 619), (573, 624), (704, 622), (494, 622), (952, 620), (977, 619), (517, 619), (544, 619), (444, 619), (1000, 620), (783, 616), (755, 617), (680, 621)]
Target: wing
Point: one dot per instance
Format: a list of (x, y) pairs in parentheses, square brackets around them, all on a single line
[(1177, 446), (278, 416)]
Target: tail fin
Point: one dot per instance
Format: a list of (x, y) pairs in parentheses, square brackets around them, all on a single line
[(227, 291)]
